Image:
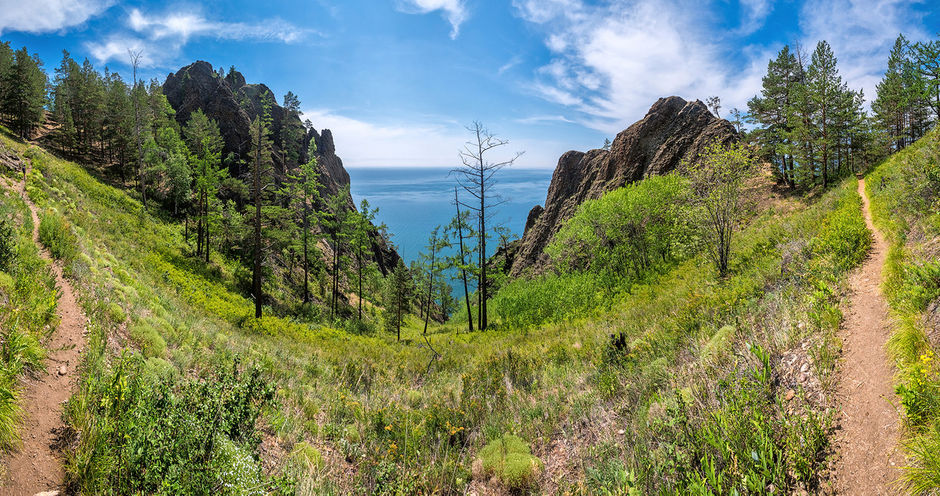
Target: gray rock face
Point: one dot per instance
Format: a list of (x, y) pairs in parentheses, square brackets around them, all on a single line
[(234, 104), (674, 130)]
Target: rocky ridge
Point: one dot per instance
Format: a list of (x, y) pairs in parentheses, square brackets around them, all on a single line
[(674, 130)]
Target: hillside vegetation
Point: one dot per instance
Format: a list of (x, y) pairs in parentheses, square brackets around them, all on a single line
[(677, 381)]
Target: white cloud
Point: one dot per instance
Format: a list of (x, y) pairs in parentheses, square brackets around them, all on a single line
[(861, 33), (453, 10), (538, 119), (435, 144), (755, 12), (514, 61), (611, 62), (160, 37), (42, 16)]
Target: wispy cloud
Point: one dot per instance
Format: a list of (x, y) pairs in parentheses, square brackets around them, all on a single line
[(754, 14), (42, 16), (513, 62), (160, 37), (862, 33), (539, 119), (453, 10), (610, 62)]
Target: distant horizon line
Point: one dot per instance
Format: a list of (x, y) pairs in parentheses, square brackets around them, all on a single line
[(518, 167)]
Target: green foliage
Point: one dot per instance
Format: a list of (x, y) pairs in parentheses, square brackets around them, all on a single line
[(7, 244), (746, 444), (150, 341), (843, 238), (628, 232), (55, 233), (549, 298), (509, 459), (181, 437)]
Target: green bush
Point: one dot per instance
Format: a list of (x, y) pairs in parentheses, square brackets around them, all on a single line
[(7, 244), (844, 238), (150, 341), (549, 298), (510, 460), (746, 444), (184, 437), (55, 233)]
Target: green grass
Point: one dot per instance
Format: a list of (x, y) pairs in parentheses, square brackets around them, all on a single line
[(905, 199), (388, 417)]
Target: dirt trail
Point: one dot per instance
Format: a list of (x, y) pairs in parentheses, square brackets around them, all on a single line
[(868, 440), (37, 466)]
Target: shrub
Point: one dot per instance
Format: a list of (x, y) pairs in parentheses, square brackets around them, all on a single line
[(56, 235), (844, 238), (171, 437), (509, 459), (7, 245), (150, 341)]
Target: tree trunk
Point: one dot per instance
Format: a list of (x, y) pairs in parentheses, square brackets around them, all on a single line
[(256, 179), (306, 267), (463, 269)]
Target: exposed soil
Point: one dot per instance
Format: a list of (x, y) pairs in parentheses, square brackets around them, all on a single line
[(37, 465), (870, 457)]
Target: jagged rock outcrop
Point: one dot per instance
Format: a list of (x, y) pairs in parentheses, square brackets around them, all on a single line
[(234, 104), (673, 130)]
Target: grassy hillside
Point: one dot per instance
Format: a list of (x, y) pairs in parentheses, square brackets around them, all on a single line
[(682, 383), (905, 193)]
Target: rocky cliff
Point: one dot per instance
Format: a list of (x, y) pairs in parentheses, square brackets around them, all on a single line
[(673, 130), (234, 104)]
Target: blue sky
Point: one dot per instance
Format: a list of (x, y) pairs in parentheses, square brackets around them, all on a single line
[(396, 80)]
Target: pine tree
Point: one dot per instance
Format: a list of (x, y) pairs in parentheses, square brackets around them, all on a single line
[(771, 110), (824, 85), (462, 260), (303, 193), (336, 223), (361, 243), (397, 298), (926, 58), (261, 166), (24, 93), (205, 150), (433, 265)]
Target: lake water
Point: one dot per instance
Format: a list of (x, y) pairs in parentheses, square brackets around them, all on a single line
[(412, 201)]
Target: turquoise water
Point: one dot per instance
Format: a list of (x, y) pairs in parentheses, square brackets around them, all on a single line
[(412, 201)]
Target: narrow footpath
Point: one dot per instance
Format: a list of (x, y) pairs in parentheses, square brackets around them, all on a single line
[(36, 467), (867, 443)]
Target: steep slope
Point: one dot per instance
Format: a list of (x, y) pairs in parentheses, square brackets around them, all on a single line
[(674, 130), (233, 104)]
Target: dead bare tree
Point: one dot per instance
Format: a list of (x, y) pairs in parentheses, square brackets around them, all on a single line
[(476, 176)]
